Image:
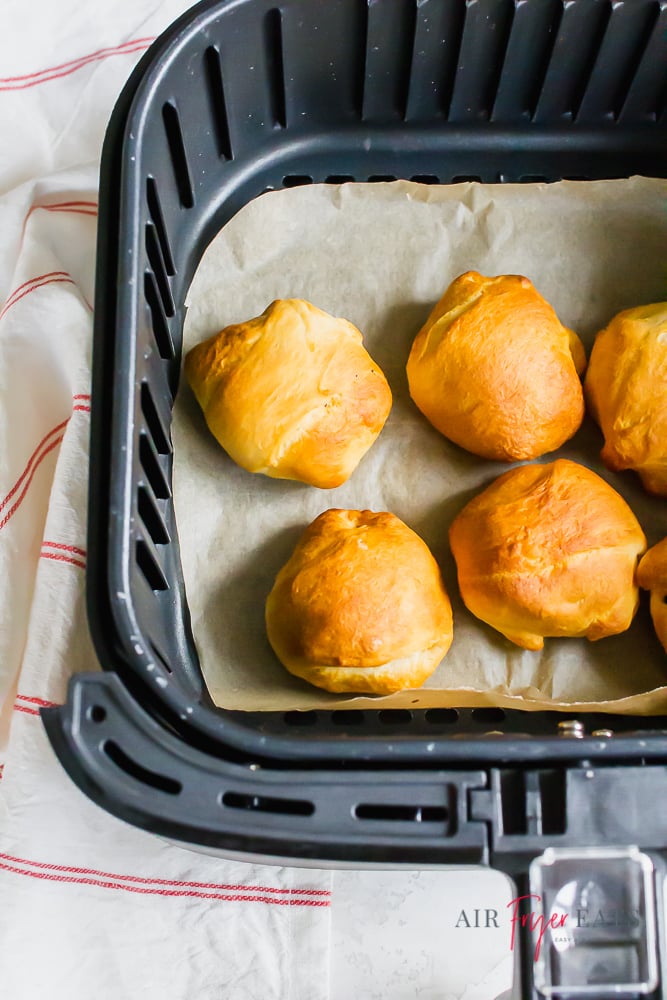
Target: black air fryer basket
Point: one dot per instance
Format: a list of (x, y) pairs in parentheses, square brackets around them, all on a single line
[(430, 90)]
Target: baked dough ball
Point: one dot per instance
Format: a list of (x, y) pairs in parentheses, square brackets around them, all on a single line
[(292, 393), (652, 575), (626, 390), (360, 605), (548, 550), (495, 371)]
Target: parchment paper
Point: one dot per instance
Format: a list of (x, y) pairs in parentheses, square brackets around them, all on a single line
[(380, 255)]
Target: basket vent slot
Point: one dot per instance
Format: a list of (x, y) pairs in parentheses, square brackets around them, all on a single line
[(216, 93), (647, 90), (502, 44), (159, 269), (339, 178), (154, 423), (532, 34), (408, 813), (488, 714), (347, 717), (155, 209), (151, 517), (161, 657), (149, 566), (591, 58), (435, 52), (454, 36), (388, 57), (300, 718), (179, 160), (361, 34), (543, 55), (407, 37), (273, 39), (296, 180), (484, 43), (651, 15), (441, 716), (425, 179), (151, 466), (140, 773), (159, 324), (577, 42), (394, 716), (261, 803)]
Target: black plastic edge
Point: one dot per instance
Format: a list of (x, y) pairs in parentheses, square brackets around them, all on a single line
[(104, 319), (445, 815), (177, 792)]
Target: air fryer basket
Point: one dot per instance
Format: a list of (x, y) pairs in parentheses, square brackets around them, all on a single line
[(242, 96), (236, 98)]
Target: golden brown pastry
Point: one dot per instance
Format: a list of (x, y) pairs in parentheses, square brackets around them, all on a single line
[(360, 605), (652, 575), (495, 371), (292, 393), (548, 550), (626, 391)]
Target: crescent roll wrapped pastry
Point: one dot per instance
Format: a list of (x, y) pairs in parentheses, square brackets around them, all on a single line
[(549, 550), (626, 390), (495, 370), (292, 393), (360, 606), (652, 575)]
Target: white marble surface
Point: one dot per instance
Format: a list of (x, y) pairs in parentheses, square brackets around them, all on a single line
[(395, 935)]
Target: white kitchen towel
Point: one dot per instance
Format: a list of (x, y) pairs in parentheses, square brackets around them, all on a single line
[(91, 907)]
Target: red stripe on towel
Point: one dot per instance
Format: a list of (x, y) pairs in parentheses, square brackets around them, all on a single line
[(64, 69), (30, 472), (39, 454), (65, 548), (57, 206), (38, 283), (58, 557), (150, 891), (44, 704), (227, 887), (72, 211), (33, 458), (76, 207), (49, 274)]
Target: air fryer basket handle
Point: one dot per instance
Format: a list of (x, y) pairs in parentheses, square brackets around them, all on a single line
[(139, 770)]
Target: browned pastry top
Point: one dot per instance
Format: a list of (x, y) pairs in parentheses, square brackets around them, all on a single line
[(292, 393), (361, 593), (652, 575), (626, 390), (494, 369), (549, 550)]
